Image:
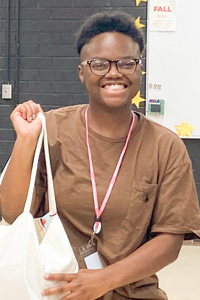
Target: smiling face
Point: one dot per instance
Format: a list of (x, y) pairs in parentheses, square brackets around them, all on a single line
[(112, 90)]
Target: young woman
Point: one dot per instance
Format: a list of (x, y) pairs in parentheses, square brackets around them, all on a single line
[(119, 178)]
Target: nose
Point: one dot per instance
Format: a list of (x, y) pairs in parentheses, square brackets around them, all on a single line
[(113, 72)]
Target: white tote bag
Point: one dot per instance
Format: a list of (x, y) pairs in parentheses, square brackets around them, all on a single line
[(23, 258)]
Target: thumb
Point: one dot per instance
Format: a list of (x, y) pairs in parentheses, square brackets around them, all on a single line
[(40, 108)]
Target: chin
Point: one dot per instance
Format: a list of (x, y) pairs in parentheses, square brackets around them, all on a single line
[(117, 104)]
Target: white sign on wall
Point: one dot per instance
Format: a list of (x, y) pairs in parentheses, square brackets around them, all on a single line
[(162, 15), (173, 66)]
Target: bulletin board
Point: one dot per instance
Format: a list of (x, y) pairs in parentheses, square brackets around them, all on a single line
[(173, 67)]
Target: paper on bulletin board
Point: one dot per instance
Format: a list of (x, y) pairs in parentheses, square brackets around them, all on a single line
[(162, 15)]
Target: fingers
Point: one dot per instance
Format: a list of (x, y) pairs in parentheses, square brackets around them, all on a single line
[(62, 288), (83, 285), (60, 277), (25, 121), (28, 110)]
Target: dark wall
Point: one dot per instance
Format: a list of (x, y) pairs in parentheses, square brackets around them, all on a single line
[(37, 56), (193, 147)]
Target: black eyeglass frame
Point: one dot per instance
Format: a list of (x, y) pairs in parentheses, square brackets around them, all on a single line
[(88, 62)]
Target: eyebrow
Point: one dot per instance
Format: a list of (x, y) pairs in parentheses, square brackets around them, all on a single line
[(129, 56)]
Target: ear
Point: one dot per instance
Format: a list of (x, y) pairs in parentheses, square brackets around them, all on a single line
[(80, 73)]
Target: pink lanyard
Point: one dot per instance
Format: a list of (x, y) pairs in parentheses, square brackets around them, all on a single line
[(99, 211)]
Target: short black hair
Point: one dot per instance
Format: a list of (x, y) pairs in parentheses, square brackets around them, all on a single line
[(115, 21)]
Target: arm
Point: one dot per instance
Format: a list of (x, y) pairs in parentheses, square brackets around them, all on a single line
[(145, 261), (14, 187)]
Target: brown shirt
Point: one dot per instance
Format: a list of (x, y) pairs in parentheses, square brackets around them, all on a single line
[(154, 191)]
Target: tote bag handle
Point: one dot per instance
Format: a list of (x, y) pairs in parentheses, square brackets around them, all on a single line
[(51, 194)]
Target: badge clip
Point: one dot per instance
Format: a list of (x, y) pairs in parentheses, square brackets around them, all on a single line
[(97, 226)]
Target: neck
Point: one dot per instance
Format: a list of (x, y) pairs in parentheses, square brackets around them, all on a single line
[(110, 123)]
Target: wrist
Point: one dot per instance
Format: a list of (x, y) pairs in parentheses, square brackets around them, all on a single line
[(27, 139), (25, 146), (110, 278)]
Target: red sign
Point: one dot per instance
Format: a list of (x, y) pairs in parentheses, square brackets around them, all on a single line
[(162, 9)]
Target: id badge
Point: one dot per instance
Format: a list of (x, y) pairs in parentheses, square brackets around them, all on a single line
[(90, 255)]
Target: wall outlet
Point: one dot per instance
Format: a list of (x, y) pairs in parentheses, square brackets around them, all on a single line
[(6, 91)]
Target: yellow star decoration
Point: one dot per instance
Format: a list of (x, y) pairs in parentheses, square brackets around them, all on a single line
[(138, 24), (137, 99), (184, 129), (138, 1)]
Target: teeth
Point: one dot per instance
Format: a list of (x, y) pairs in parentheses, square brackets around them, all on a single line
[(113, 87)]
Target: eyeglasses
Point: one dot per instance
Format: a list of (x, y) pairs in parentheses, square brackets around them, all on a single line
[(100, 66)]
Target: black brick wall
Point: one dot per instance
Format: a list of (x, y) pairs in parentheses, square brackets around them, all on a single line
[(193, 147), (42, 61)]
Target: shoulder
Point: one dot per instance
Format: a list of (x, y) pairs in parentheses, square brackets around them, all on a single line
[(164, 142), (158, 131), (64, 112), (156, 128), (64, 116), (60, 120)]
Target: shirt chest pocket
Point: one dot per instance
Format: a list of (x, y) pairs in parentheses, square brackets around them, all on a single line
[(142, 202)]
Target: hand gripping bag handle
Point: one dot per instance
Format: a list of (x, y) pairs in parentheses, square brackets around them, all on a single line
[(51, 194)]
